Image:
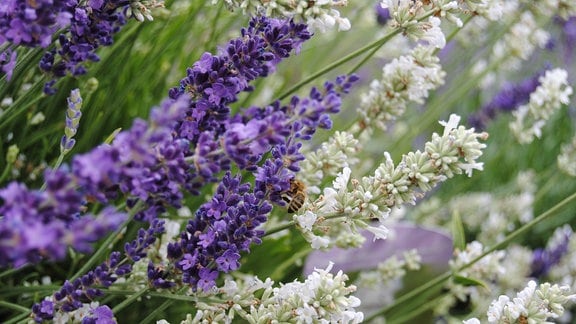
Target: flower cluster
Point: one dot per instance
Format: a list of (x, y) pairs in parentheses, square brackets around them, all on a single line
[(372, 197), (488, 269), (8, 62), (406, 79), (534, 304), (561, 270), (43, 224), (30, 24), (147, 162), (88, 313), (142, 10), (549, 96), (318, 15), (322, 297), (408, 16), (91, 26), (188, 203), (76, 295), (81, 28), (524, 37), (33, 23), (331, 157), (228, 225), (215, 81), (391, 269), (220, 230)]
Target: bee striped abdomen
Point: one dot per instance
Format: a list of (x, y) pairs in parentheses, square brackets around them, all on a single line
[(295, 197)]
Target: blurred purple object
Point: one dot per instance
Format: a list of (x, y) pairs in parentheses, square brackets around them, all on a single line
[(569, 28), (382, 14), (434, 246)]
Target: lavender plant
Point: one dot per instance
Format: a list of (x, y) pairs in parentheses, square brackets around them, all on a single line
[(300, 162)]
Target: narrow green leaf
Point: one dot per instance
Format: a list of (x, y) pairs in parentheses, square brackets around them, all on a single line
[(112, 136), (459, 237), (467, 281)]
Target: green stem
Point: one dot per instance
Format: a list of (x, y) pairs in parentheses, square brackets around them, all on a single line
[(338, 63), (22, 319), (163, 295), (10, 272), (368, 56), (4, 175), (284, 226), (20, 290), (15, 307), (410, 295), (129, 300), (552, 176), (161, 308), (407, 316), (24, 311), (58, 163), (279, 228)]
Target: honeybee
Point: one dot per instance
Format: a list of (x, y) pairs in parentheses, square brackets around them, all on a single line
[(522, 319), (295, 196)]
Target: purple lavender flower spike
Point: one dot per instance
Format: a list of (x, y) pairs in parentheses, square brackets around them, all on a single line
[(226, 226), (569, 29), (144, 162), (73, 294), (8, 62), (34, 23), (90, 27), (544, 259), (509, 98), (215, 81), (382, 14), (157, 277), (136, 249), (38, 225), (220, 230), (100, 315), (185, 144), (43, 311)]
